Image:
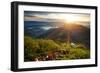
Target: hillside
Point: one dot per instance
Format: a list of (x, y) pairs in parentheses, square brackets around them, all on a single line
[(78, 33), (51, 44)]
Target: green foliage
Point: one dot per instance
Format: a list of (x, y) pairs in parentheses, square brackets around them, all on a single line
[(78, 53), (40, 48), (37, 47)]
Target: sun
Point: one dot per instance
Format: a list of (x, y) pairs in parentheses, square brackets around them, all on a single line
[(70, 18)]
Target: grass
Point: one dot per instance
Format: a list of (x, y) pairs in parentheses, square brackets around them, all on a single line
[(47, 49)]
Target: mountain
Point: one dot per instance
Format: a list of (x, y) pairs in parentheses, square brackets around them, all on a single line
[(77, 33), (36, 28)]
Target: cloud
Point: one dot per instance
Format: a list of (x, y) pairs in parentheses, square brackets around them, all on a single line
[(55, 16)]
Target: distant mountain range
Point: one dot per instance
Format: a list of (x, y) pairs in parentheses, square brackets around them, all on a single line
[(35, 28), (78, 33)]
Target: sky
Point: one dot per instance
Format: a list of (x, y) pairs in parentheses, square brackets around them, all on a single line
[(83, 19)]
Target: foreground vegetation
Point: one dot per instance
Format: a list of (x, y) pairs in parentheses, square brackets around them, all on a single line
[(46, 49)]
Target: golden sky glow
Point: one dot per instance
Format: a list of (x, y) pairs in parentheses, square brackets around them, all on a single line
[(84, 19)]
